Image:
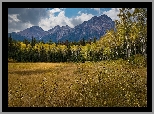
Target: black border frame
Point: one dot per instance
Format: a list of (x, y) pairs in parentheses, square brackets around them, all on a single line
[(6, 5)]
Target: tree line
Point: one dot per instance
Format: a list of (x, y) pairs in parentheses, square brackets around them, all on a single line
[(127, 39)]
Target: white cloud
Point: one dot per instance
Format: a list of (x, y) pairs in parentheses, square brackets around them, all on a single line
[(62, 8), (84, 17), (13, 17), (97, 9), (62, 20), (52, 21), (80, 19), (54, 10), (112, 13), (15, 25), (22, 18)]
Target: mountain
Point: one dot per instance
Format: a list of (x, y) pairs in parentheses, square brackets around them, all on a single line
[(16, 36), (95, 27), (57, 33), (35, 31)]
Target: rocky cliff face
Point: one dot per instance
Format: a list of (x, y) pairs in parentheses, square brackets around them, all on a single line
[(35, 31), (95, 27)]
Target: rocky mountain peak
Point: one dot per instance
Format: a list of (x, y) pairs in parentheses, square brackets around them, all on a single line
[(95, 27)]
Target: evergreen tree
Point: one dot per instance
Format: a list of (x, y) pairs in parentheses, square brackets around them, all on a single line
[(50, 41), (83, 42), (33, 42), (95, 39), (25, 41)]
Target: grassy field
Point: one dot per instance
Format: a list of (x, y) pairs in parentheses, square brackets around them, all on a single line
[(90, 84)]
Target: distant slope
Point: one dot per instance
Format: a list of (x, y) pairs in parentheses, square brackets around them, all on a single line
[(95, 27), (16, 36), (34, 31), (57, 33)]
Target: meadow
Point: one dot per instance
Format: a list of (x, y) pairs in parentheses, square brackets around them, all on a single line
[(114, 83)]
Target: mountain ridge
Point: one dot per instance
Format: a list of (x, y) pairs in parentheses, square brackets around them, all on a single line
[(94, 27)]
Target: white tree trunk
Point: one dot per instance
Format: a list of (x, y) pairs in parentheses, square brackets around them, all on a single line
[(135, 48), (127, 45)]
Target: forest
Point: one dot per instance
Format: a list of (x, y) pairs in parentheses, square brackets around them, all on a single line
[(127, 39)]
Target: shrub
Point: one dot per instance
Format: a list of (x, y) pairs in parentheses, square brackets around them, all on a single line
[(138, 60), (11, 60)]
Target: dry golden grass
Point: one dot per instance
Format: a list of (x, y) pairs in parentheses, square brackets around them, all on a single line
[(105, 84)]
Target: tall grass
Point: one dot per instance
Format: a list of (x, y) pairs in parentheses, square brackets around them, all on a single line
[(115, 83)]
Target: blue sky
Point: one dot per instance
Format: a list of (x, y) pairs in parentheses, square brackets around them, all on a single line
[(47, 18), (73, 12)]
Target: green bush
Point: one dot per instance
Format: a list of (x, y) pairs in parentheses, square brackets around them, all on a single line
[(138, 60), (11, 60)]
